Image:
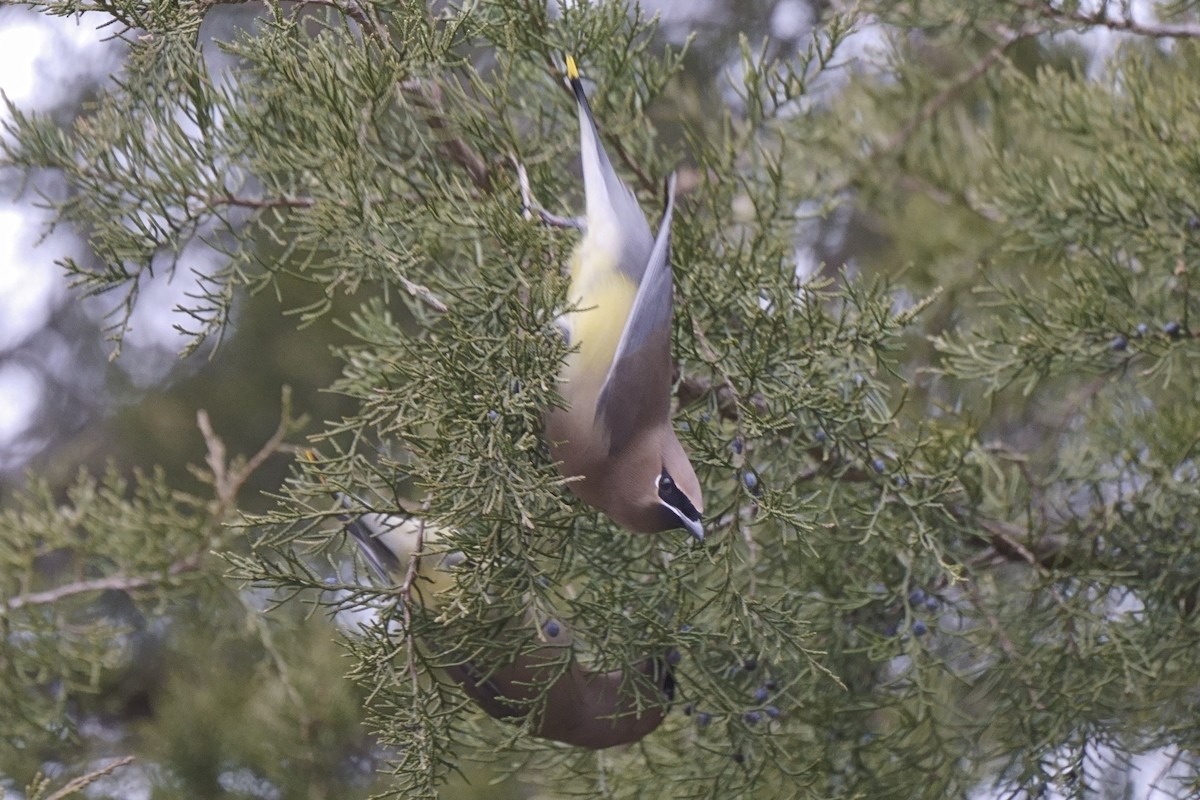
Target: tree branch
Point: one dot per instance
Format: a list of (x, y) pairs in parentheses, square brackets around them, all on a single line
[(427, 95), (228, 482), (259, 202), (83, 781), (956, 85), (121, 583), (350, 9), (1101, 18)]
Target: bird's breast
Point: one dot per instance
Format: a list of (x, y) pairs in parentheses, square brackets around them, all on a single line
[(603, 297)]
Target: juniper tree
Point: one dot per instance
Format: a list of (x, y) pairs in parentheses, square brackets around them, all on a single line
[(949, 471)]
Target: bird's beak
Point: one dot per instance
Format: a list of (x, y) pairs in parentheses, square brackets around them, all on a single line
[(696, 528)]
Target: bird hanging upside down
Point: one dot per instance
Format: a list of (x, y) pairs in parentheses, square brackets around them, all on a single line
[(546, 685), (615, 435)]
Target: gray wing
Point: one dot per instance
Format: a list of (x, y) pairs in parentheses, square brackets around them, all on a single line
[(366, 530), (607, 195), (636, 391)]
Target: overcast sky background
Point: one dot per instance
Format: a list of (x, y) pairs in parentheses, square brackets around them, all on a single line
[(44, 63)]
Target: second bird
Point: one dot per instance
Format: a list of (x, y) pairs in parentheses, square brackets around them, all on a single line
[(616, 435)]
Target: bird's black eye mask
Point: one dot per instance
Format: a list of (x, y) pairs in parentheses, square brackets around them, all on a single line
[(671, 494)]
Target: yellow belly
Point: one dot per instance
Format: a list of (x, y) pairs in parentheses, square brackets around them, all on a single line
[(604, 297)]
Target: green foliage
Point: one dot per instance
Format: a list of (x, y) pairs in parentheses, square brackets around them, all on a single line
[(106, 536), (949, 489)]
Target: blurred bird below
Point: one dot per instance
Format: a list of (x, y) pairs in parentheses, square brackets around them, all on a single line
[(546, 687)]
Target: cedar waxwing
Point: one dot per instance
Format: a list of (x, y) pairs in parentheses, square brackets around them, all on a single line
[(615, 434), (572, 705)]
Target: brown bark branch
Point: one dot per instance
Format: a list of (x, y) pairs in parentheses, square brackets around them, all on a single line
[(965, 78), (1101, 18), (427, 96), (122, 583), (227, 482), (83, 781)]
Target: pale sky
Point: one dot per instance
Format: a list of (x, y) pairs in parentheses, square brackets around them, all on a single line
[(43, 60)]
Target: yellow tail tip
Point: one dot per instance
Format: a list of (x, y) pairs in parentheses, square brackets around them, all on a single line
[(572, 70)]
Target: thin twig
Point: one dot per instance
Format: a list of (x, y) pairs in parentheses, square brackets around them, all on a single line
[(214, 453), (226, 484), (1006, 544), (415, 289), (351, 10), (427, 95), (523, 183), (414, 561), (529, 206), (410, 576), (121, 583), (259, 202), (83, 781), (423, 293), (229, 482), (1100, 17), (1006, 643), (935, 104)]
